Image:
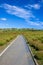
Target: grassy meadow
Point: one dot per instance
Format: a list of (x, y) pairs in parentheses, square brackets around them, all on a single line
[(34, 39), (6, 35)]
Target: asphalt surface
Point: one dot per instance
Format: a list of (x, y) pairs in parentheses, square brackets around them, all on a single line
[(17, 54)]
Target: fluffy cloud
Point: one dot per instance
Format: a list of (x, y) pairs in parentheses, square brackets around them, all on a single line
[(35, 23), (21, 12), (3, 19), (35, 6)]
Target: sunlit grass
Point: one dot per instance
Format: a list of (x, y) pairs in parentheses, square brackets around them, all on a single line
[(34, 39)]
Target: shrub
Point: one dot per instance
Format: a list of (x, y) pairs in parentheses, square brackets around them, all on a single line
[(2, 43)]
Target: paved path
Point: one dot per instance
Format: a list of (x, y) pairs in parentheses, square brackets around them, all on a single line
[(17, 54)]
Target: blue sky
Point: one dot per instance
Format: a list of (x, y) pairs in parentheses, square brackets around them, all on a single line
[(21, 14)]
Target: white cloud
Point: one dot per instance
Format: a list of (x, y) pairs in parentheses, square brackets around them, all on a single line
[(34, 23), (20, 12), (35, 6), (3, 19)]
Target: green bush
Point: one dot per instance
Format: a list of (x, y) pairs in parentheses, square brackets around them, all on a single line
[(2, 43), (39, 55)]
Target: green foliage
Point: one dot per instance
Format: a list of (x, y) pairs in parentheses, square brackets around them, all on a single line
[(39, 55), (34, 39), (6, 35)]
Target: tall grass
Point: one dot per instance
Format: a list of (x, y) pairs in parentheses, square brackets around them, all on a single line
[(34, 39)]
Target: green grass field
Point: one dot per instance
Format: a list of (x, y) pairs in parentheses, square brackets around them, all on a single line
[(34, 39), (6, 35)]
